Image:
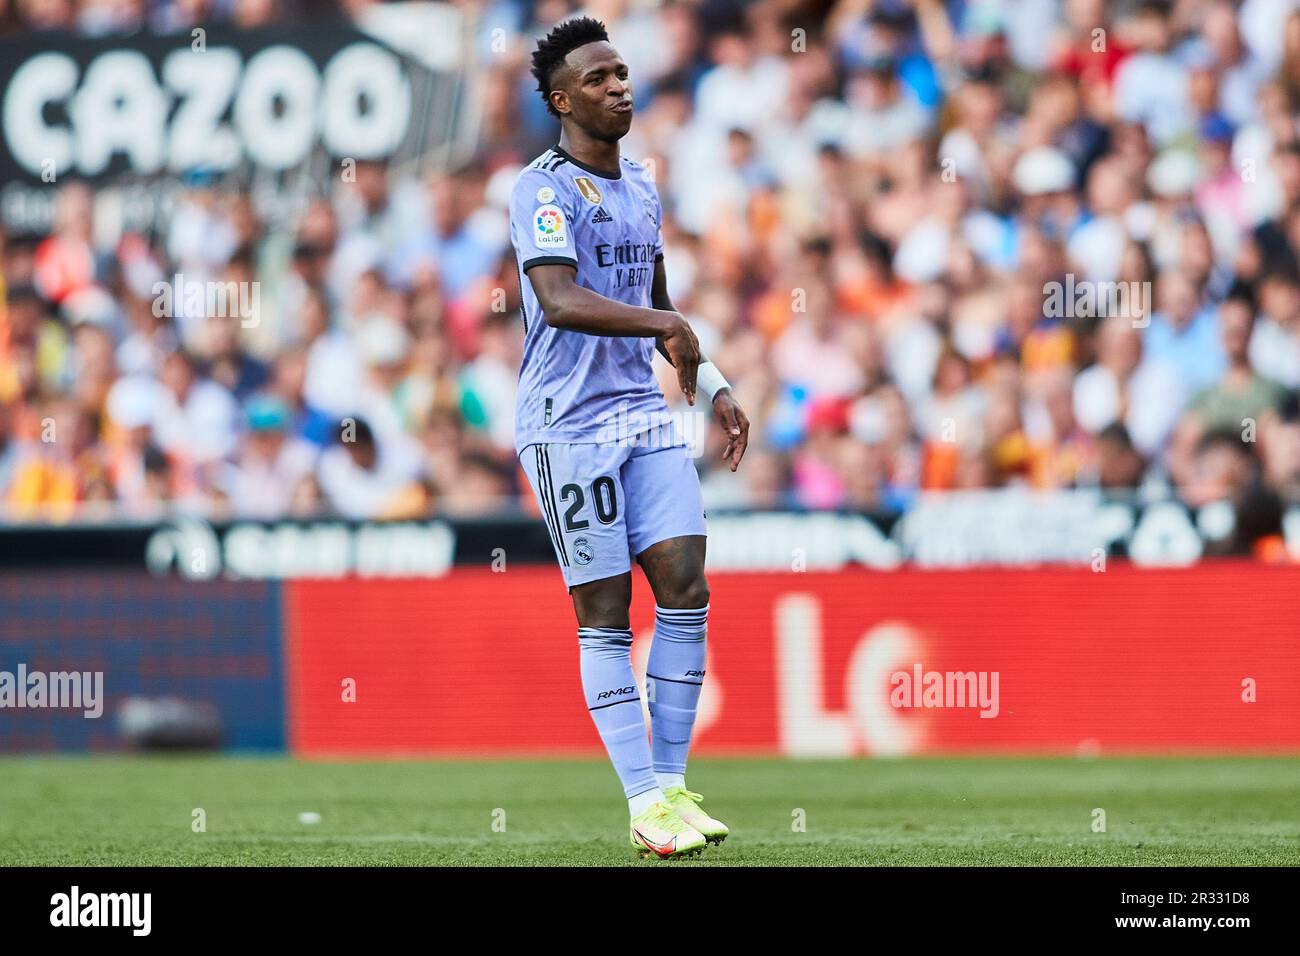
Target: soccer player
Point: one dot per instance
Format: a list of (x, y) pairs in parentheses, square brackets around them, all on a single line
[(593, 432)]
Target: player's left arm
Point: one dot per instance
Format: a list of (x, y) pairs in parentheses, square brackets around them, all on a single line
[(732, 418)]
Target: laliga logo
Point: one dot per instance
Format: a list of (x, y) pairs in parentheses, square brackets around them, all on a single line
[(806, 727)]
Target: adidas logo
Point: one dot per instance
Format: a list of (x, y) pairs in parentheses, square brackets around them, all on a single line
[(601, 216)]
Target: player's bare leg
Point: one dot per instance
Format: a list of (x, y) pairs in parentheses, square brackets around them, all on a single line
[(603, 603), (675, 570), (675, 671)]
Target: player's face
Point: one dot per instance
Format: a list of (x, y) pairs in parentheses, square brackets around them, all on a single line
[(597, 95)]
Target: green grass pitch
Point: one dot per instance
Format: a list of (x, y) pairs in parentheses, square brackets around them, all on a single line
[(140, 811)]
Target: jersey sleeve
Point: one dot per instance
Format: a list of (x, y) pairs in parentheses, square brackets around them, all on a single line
[(541, 221)]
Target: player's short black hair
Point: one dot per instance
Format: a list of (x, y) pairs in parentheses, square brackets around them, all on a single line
[(559, 43)]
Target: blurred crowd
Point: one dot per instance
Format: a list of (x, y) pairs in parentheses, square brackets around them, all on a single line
[(25, 18), (1045, 243)]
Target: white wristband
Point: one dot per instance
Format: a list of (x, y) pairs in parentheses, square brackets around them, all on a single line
[(709, 380)]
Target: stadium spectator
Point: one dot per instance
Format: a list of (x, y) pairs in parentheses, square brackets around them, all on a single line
[(866, 213), (362, 477), (266, 472)]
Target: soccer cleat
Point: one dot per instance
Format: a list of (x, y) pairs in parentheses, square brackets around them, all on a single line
[(687, 805), (662, 832)]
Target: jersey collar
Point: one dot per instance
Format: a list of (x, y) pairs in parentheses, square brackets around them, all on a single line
[(602, 173)]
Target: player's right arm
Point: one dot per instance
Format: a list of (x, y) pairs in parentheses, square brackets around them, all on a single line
[(567, 305)]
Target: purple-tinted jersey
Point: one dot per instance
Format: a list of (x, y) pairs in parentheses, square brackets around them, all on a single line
[(575, 387)]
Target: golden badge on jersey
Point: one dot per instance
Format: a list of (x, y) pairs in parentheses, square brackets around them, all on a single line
[(588, 190)]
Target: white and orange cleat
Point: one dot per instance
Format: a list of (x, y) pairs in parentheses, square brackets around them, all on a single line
[(687, 806), (659, 831)]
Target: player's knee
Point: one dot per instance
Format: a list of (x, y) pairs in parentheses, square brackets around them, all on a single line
[(603, 604), (689, 592), (603, 614), (697, 595)]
